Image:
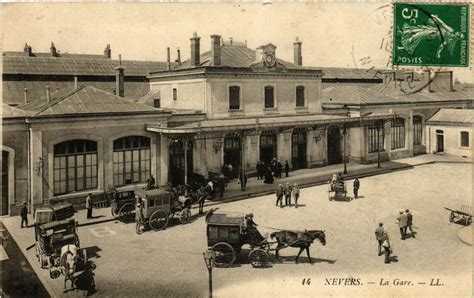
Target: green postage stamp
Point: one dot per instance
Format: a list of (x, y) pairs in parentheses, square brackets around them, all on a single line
[(431, 34)]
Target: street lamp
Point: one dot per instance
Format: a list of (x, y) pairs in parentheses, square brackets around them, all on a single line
[(209, 258)]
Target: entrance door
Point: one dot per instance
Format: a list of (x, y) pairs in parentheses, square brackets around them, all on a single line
[(439, 141), (268, 147), (232, 152), (5, 183), (176, 169), (334, 146), (298, 149)]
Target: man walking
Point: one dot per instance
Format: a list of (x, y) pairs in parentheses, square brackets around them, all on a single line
[(379, 235), (279, 195), (279, 168), (356, 187), (402, 224), (287, 168), (24, 215), (409, 223), (89, 206), (287, 194), (386, 246), (296, 194)]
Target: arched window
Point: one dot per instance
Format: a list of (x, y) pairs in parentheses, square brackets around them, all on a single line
[(131, 160), (234, 98), (75, 166), (376, 138), (300, 96), (398, 133), (417, 130), (269, 97)]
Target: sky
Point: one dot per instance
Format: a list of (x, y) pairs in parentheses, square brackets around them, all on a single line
[(333, 34)]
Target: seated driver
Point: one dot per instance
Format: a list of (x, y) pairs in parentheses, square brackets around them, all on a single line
[(251, 228)]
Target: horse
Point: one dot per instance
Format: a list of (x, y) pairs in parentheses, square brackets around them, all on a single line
[(68, 264), (302, 240)]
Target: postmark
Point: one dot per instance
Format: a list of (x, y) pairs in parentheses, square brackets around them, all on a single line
[(431, 34)]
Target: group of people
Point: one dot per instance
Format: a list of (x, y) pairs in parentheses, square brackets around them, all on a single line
[(288, 192), (405, 221), (269, 171)]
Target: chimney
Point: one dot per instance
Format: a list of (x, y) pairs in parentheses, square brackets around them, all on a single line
[(259, 54), (195, 51), (107, 52), (53, 51), (178, 59), (298, 58), (25, 92), (215, 50), (120, 79), (76, 83), (48, 95), (27, 50), (168, 59)]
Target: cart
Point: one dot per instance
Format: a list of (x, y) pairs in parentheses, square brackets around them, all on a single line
[(158, 206), (337, 190), (226, 234), (122, 204), (464, 215)]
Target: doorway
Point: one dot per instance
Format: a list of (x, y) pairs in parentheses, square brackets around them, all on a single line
[(298, 149), (232, 153), (439, 141), (5, 190), (334, 145), (176, 157), (268, 147)]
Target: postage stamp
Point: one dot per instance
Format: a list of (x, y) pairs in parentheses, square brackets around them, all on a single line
[(431, 34)]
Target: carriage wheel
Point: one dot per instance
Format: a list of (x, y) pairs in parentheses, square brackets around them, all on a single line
[(126, 212), (225, 254), (158, 220), (451, 217), (258, 258), (185, 216)]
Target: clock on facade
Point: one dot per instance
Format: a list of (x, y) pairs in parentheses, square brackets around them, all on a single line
[(269, 60)]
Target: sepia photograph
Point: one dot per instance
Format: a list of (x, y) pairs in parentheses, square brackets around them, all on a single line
[(237, 149)]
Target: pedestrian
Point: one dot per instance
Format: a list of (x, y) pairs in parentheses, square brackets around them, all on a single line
[(138, 218), (279, 194), (402, 224), (296, 194), (24, 215), (386, 246), (89, 206), (243, 180), (409, 223), (287, 194), (230, 169), (268, 176), (356, 187), (221, 184), (224, 170), (279, 167), (257, 167), (287, 168), (379, 235)]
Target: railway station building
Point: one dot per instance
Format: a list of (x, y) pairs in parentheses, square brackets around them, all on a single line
[(230, 105)]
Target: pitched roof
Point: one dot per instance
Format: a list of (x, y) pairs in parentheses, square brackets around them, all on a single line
[(76, 65), (233, 55), (84, 100), (149, 98), (453, 116), (11, 112)]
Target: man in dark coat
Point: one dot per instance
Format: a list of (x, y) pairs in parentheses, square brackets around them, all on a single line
[(402, 224), (24, 215), (243, 180), (287, 168), (409, 223), (379, 235), (259, 170), (386, 246), (268, 176), (279, 194), (150, 183), (356, 187), (279, 169), (89, 206), (287, 194)]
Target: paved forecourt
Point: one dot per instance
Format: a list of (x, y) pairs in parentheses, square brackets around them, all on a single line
[(170, 262)]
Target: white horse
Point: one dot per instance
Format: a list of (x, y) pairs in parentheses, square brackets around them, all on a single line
[(68, 264)]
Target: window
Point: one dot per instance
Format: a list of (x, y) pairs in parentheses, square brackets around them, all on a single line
[(75, 166), (464, 139), (417, 130), (131, 159), (156, 103), (175, 94), (300, 96), (269, 97), (398, 133), (375, 140), (234, 97)]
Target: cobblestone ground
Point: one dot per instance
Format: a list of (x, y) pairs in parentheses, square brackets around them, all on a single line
[(170, 262)]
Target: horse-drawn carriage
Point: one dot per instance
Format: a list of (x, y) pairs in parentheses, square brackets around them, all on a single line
[(228, 232), (337, 189), (122, 204), (464, 215), (57, 243), (158, 206)]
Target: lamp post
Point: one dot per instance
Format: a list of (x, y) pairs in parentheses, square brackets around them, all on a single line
[(344, 149), (209, 258)]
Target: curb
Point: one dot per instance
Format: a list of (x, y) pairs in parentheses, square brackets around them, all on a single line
[(95, 222)]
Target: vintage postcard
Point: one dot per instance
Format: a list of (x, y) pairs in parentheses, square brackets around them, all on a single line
[(236, 149)]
